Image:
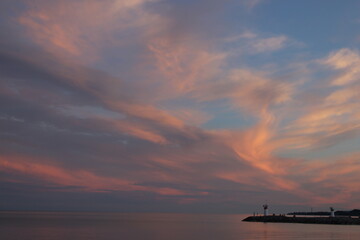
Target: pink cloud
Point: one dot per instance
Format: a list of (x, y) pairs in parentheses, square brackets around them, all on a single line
[(87, 180), (68, 29)]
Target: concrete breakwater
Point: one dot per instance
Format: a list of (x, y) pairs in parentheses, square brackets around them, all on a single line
[(309, 220)]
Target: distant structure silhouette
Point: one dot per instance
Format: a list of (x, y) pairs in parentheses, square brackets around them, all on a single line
[(332, 212), (265, 206)]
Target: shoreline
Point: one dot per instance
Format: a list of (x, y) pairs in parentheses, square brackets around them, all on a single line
[(307, 220)]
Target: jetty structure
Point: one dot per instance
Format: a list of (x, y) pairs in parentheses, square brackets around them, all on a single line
[(282, 218)]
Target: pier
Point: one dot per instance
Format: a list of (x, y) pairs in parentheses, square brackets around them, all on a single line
[(308, 220)]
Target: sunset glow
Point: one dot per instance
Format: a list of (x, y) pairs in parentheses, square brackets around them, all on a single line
[(155, 105)]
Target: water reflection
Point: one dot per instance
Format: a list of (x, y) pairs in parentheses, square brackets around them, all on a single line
[(136, 226)]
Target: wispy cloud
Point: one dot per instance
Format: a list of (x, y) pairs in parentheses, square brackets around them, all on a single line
[(249, 42), (346, 60), (269, 44), (250, 4), (68, 29)]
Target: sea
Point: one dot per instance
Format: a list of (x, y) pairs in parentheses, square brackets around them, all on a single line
[(16, 225)]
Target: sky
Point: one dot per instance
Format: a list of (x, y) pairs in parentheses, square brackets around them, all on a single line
[(205, 106)]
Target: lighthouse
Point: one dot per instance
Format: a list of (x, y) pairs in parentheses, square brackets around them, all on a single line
[(265, 206), (332, 212)]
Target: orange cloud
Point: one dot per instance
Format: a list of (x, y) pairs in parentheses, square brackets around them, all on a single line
[(255, 145), (69, 28), (61, 176), (184, 64), (87, 180), (145, 111), (139, 131), (247, 90)]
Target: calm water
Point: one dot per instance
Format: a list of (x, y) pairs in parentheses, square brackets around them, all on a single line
[(136, 226)]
